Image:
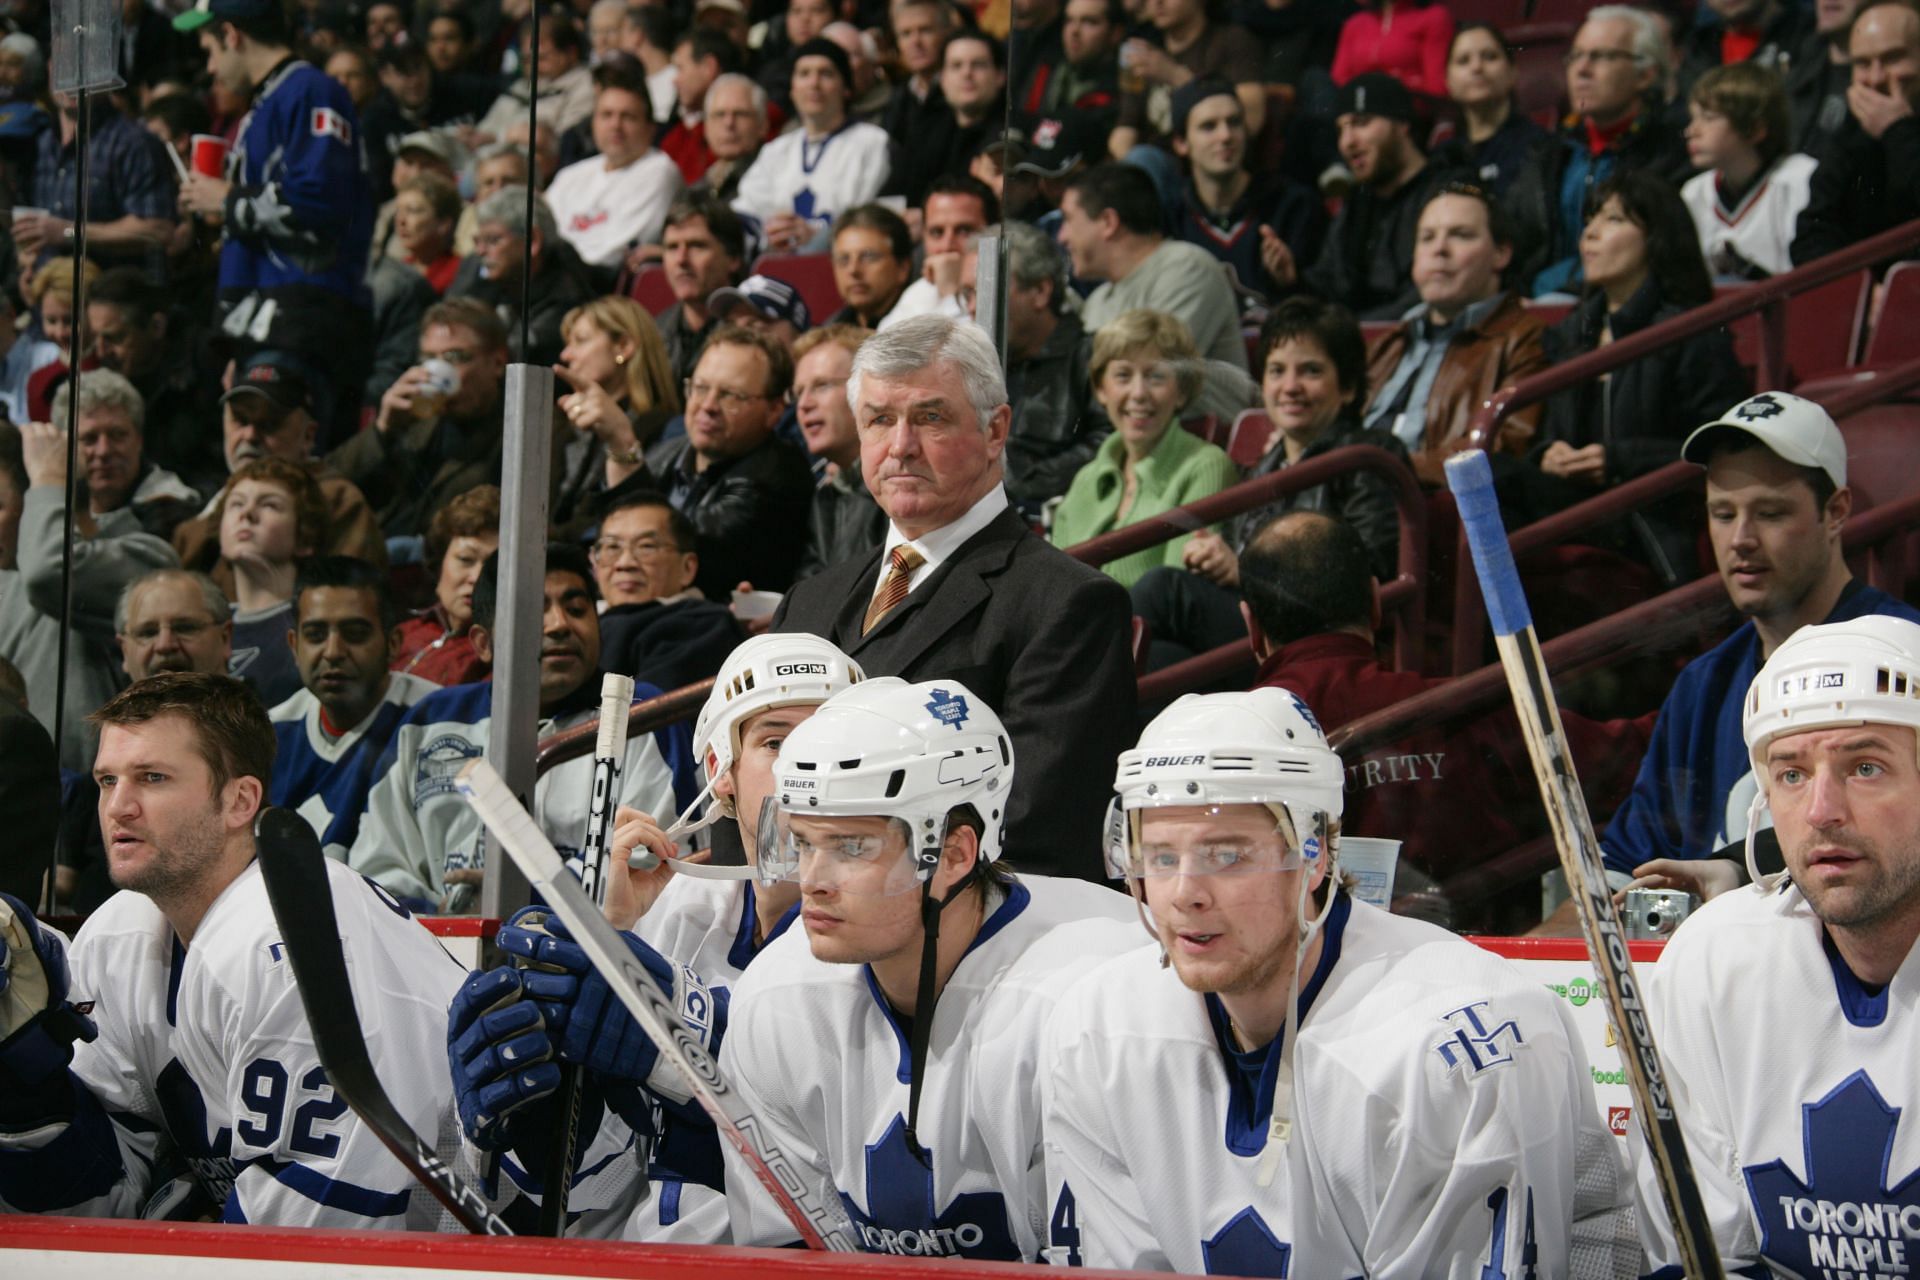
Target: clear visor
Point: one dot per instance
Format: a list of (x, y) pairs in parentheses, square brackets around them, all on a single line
[(869, 855), (1207, 840)]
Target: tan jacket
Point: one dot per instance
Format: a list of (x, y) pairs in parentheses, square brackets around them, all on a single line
[(1503, 349)]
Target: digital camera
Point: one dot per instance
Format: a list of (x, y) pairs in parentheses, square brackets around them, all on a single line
[(1655, 913)]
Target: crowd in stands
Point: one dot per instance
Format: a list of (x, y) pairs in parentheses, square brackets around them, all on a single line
[(318, 233)]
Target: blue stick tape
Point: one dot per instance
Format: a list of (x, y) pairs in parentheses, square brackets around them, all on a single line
[(1471, 480)]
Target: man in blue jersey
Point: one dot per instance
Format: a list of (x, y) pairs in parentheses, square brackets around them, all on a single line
[(295, 202), (333, 730), (1777, 498)]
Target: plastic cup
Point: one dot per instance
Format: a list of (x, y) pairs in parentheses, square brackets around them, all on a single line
[(28, 211), (748, 605), (208, 155), (430, 397), (1371, 863)]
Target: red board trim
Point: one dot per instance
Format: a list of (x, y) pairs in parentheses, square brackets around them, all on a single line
[(1562, 948)]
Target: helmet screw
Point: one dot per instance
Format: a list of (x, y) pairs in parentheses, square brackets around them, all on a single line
[(1192, 788)]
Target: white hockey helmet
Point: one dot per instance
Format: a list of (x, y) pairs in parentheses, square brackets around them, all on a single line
[(779, 669), (1259, 747), (887, 748), (1866, 671)]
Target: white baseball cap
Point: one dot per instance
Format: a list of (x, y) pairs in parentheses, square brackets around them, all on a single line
[(1794, 428)]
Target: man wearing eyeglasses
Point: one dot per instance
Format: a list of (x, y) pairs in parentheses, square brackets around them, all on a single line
[(654, 623), (745, 490), (1615, 68), (431, 442)]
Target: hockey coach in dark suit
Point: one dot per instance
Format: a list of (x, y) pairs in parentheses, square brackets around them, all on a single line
[(963, 590)]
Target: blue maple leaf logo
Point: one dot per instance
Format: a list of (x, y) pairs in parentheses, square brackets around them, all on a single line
[(902, 1218), (1846, 1217), (1246, 1246)]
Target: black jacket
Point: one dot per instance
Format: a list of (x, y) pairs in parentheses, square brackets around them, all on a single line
[(562, 283), (1367, 264), (1056, 424), (844, 523), (1031, 632), (1817, 96), (667, 645), (1641, 414), (1862, 187), (1362, 500), (1780, 44), (750, 511)]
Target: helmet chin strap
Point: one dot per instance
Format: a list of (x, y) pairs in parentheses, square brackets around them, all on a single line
[(683, 826), (931, 909), (1755, 807)]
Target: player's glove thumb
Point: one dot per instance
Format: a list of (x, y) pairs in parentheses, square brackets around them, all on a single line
[(499, 1055), (37, 1025)]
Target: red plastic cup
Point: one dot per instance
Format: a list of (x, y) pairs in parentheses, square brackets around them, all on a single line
[(209, 155)]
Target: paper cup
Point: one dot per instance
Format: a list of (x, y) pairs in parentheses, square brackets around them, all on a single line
[(209, 155), (1371, 863), (28, 211), (755, 604)]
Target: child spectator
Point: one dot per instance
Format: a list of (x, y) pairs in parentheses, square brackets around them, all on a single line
[(271, 515), (1748, 201)]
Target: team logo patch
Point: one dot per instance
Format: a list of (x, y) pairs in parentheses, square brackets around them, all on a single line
[(328, 123), (1046, 134), (948, 708), (439, 764), (1761, 406), (1473, 1044)]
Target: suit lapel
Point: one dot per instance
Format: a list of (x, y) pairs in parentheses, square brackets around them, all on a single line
[(952, 592)]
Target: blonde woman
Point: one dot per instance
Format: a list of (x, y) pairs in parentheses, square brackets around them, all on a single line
[(50, 294), (623, 394), (1145, 370)]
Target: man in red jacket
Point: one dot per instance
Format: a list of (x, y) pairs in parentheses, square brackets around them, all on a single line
[(1456, 794)]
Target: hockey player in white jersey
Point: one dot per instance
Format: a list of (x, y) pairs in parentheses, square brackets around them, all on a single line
[(1314, 1088), (194, 1046), (890, 1044), (1785, 1011), (508, 1026)]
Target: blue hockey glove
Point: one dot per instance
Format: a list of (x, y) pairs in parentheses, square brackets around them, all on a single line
[(588, 1023), (500, 1055), (38, 1027)]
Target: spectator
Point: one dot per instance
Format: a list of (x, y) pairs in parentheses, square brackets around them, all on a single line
[(21, 356), (958, 208), (269, 412), (1614, 74), (505, 249), (133, 335), (803, 21), (381, 124), (1185, 43), (745, 490), (1033, 42), (656, 626), (973, 80), (1642, 265), (566, 82), (429, 98), (622, 396), (1085, 81), (1819, 76), (419, 839), (772, 307), (271, 515), (973, 589), (1145, 371), (650, 31), (1111, 225), (1751, 191), (845, 522), (704, 250), (349, 704), (1869, 178), (920, 31), (29, 790), (1465, 339), (130, 193), (173, 620), (1494, 137), (1777, 499), (50, 294), (449, 44), (805, 178), (424, 153), (297, 217), (870, 89), (1406, 39), (424, 446), (607, 31), (386, 24), (496, 166), (1313, 365), (1765, 34), (434, 644), (1228, 211), (872, 264), (1369, 250), (607, 203), (425, 213), (1310, 611), (735, 121), (701, 58), (121, 492), (729, 17)]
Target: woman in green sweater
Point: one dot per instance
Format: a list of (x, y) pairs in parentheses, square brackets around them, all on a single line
[(1144, 371)]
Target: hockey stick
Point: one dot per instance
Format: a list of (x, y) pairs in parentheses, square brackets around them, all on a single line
[(301, 894), (609, 753), (1471, 479), (815, 1211)]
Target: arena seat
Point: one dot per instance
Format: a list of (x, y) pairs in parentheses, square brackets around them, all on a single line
[(1895, 337), (1208, 427), (1881, 443), (1542, 76), (649, 288), (1823, 328), (1247, 440), (811, 274)]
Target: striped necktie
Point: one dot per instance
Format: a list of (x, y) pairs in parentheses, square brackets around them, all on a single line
[(905, 559)]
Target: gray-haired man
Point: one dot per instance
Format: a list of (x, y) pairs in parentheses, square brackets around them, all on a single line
[(559, 281)]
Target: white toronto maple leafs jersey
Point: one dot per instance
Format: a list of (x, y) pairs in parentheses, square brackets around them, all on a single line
[(210, 1045), (1443, 1122), (822, 1061), (1798, 1090), (816, 180)]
